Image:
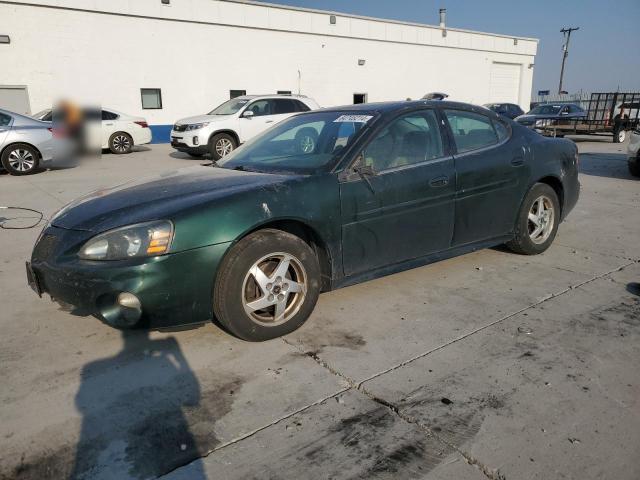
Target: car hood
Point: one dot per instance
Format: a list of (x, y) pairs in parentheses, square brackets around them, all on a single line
[(203, 119), (158, 197)]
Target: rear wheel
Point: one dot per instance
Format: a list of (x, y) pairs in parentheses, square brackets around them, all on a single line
[(20, 159), (222, 145), (537, 222), (120, 143), (267, 285), (306, 140)]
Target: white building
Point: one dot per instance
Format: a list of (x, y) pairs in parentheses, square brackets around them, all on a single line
[(187, 56)]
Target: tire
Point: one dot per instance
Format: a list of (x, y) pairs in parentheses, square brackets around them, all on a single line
[(222, 145), (20, 159), (634, 167), (259, 259), (306, 140), (120, 143), (528, 239), (619, 135)]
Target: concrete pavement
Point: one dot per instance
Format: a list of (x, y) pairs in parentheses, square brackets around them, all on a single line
[(489, 365)]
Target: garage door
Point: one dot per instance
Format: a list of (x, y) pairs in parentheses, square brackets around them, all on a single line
[(15, 99), (505, 83)]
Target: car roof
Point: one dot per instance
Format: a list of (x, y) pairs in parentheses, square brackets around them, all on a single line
[(269, 96), (390, 107), (19, 119)]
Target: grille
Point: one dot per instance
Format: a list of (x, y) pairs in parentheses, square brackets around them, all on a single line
[(179, 128), (44, 248)]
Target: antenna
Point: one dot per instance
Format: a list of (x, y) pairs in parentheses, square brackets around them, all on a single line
[(565, 52)]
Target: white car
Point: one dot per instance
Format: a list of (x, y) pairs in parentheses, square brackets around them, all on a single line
[(119, 132), (234, 122)]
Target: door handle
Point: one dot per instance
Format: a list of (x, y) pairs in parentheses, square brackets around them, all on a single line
[(517, 162), (439, 182), (269, 121), (109, 124)]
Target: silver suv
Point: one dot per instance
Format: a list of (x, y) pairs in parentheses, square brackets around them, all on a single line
[(220, 131)]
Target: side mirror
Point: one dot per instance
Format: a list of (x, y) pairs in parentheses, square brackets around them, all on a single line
[(248, 114)]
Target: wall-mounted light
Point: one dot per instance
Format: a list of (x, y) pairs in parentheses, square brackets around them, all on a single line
[(361, 62), (515, 41), (444, 33), (5, 39), (332, 20), (531, 65), (165, 2)]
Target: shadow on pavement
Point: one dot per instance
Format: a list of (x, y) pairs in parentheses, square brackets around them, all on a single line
[(134, 412), (612, 165)]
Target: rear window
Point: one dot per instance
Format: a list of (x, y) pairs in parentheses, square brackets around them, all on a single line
[(471, 131), (4, 120)]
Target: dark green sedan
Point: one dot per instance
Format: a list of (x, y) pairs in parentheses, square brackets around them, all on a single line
[(321, 200)]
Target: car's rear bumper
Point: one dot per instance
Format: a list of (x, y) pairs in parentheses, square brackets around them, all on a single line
[(174, 289)]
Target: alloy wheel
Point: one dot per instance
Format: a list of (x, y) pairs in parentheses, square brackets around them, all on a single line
[(224, 147), (121, 143), (21, 160), (307, 144), (541, 220), (274, 289)]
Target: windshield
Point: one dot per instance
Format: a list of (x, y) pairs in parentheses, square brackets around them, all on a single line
[(302, 144), (546, 110), (229, 107)]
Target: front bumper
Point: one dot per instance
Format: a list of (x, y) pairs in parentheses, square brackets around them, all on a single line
[(192, 141), (174, 289)]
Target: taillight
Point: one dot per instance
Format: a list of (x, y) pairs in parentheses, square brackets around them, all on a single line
[(143, 124)]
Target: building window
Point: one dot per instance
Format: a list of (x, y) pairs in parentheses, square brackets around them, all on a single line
[(284, 92), (151, 98), (237, 93), (359, 98)]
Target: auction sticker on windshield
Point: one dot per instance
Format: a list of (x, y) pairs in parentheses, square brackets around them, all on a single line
[(353, 118)]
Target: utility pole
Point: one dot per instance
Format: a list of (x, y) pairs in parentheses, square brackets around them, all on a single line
[(565, 52)]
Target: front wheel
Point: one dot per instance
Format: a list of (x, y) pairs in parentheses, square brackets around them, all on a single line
[(267, 285), (222, 145), (537, 222), (619, 135)]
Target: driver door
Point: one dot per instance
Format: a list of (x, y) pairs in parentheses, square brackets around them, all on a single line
[(403, 206), (261, 120)]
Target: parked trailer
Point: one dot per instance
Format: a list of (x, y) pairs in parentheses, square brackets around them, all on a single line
[(614, 112)]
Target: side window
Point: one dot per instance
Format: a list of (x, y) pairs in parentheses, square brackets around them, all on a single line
[(471, 131), (283, 105), (410, 139), (260, 108), (108, 115), (301, 106), (501, 130), (4, 120)]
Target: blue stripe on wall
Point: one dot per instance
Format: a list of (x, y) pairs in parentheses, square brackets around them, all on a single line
[(161, 133)]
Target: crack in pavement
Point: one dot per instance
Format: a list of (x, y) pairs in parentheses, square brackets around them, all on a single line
[(352, 385)]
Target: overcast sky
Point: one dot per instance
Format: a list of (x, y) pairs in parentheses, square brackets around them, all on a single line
[(604, 53)]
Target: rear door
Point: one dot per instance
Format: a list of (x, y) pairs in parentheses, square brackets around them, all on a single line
[(490, 172), (405, 208)]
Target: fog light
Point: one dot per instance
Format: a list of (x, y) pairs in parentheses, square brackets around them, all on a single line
[(129, 300), (196, 141)]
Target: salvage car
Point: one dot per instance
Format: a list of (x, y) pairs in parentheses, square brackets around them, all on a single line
[(26, 144), (236, 121), (252, 239), (544, 116), (118, 132)]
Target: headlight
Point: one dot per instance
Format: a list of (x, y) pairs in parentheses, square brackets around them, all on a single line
[(197, 126), (141, 240)]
